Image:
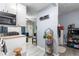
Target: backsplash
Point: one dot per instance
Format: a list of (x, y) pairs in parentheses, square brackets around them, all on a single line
[(11, 33), (10, 30)]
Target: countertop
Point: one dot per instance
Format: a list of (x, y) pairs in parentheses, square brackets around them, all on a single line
[(14, 36)]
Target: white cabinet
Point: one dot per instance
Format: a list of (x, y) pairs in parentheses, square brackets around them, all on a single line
[(11, 8), (21, 15), (2, 7), (13, 42), (7, 7)]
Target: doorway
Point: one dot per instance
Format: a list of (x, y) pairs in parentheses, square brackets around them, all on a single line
[(31, 30)]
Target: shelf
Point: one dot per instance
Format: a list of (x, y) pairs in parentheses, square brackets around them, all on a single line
[(74, 29), (73, 35), (69, 42), (72, 42), (73, 47)]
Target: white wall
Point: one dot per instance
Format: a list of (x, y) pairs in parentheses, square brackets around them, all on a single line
[(52, 23), (69, 18), (14, 29)]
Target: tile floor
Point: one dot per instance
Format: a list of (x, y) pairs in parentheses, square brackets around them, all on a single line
[(70, 52), (33, 50)]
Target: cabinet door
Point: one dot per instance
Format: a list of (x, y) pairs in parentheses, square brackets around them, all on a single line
[(15, 42), (21, 15), (11, 8)]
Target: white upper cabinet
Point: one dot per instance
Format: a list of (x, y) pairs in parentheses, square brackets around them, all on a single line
[(11, 8), (8, 7), (21, 15), (2, 7)]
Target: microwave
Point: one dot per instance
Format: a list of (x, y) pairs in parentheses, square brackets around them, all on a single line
[(7, 18)]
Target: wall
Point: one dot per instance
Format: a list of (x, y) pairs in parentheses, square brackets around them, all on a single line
[(69, 18), (52, 23), (14, 29)]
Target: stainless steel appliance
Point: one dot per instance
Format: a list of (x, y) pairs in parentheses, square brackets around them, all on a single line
[(7, 18)]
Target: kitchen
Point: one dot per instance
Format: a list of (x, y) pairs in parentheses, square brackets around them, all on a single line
[(21, 32), (10, 29)]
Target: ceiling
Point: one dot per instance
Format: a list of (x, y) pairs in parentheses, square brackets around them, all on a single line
[(67, 7), (63, 8), (34, 8)]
